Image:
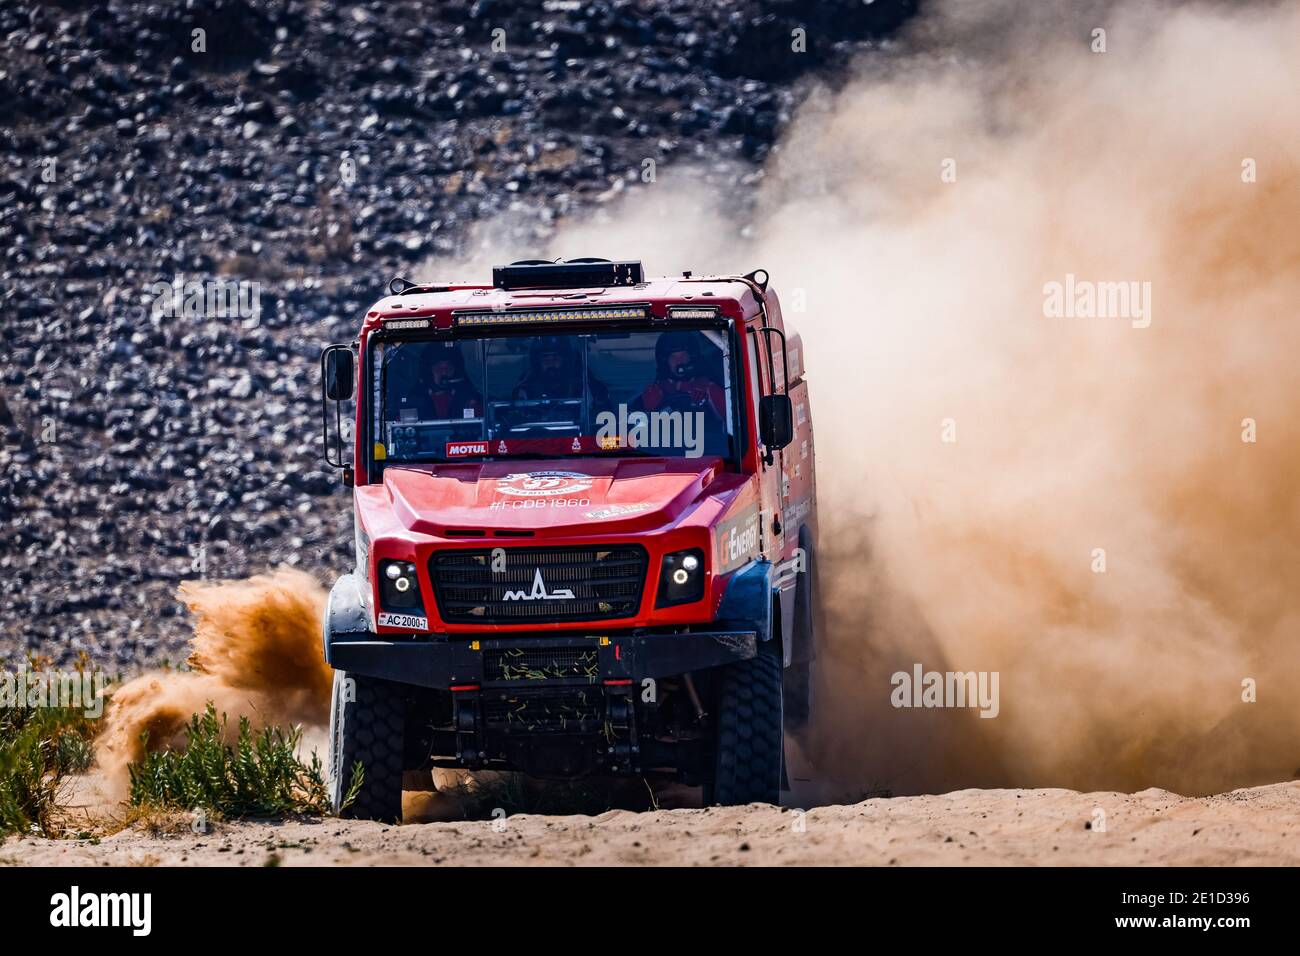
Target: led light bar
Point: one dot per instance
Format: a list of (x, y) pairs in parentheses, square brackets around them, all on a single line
[(693, 311), (544, 316), (406, 323)]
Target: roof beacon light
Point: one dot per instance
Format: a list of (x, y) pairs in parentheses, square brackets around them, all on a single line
[(575, 274)]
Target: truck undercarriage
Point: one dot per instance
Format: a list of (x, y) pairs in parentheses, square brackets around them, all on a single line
[(615, 703)]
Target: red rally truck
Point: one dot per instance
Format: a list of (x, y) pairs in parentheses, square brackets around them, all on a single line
[(586, 532)]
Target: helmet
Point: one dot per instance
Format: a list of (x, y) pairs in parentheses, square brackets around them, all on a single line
[(446, 352), (550, 345), (671, 342), (558, 344)]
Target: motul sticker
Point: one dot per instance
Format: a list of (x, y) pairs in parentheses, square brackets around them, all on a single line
[(738, 540), (409, 621), (459, 449), (542, 484)]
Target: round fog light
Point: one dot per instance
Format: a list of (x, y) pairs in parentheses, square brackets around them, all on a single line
[(680, 576), (402, 584), (393, 572), (690, 563)]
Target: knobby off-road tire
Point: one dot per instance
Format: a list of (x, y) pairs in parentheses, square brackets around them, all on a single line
[(747, 746), (371, 729)]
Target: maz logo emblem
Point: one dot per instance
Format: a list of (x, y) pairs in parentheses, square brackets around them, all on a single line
[(539, 592)]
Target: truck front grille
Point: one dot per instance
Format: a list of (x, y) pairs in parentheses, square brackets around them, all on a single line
[(541, 664), (538, 585), (574, 712)]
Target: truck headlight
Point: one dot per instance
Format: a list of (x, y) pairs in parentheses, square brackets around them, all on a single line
[(398, 586), (681, 578)]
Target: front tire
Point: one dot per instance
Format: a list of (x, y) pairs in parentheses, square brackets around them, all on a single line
[(749, 737), (367, 727)]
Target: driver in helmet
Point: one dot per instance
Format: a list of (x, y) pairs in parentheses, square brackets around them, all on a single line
[(450, 394), (681, 380), (555, 372)]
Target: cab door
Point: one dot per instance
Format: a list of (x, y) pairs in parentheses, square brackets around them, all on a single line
[(769, 369), (769, 460)]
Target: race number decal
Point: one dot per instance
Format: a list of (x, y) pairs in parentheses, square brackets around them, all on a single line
[(543, 484)]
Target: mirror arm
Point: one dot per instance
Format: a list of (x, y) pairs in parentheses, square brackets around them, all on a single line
[(337, 460), (769, 455)]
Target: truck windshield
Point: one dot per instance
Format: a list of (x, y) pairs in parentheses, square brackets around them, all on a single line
[(653, 392)]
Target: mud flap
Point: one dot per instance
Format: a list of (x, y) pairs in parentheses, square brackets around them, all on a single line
[(345, 614), (747, 601)]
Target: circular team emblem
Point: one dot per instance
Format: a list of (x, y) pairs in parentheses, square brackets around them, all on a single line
[(543, 484)]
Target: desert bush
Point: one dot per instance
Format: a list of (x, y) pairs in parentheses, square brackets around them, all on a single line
[(39, 748), (259, 774)]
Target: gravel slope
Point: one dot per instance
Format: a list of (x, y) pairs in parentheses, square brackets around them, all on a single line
[(318, 149)]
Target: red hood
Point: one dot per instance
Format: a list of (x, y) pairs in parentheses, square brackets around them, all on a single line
[(548, 497)]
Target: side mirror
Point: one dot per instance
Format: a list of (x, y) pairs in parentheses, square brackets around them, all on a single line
[(776, 421), (338, 374)]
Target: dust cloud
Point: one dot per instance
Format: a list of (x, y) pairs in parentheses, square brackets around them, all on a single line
[(914, 218), (1078, 440), (256, 653)]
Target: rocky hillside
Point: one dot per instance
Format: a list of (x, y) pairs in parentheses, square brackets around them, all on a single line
[(316, 149)]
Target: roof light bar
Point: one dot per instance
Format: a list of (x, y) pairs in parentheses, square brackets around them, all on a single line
[(693, 311), (544, 316), (393, 324)]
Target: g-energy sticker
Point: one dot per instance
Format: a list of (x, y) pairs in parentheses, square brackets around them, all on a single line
[(737, 541), (408, 621)]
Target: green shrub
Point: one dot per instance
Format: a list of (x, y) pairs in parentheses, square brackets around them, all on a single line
[(258, 775), (39, 748)]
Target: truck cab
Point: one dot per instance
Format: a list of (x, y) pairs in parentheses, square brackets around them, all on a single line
[(585, 522)]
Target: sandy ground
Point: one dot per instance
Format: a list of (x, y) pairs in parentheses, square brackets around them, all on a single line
[(1259, 826)]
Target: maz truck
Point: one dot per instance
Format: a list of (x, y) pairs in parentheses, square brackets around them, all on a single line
[(586, 536)]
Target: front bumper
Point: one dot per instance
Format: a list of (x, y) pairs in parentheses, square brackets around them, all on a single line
[(443, 663)]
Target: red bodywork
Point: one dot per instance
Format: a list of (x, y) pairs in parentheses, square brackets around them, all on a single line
[(414, 510)]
